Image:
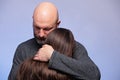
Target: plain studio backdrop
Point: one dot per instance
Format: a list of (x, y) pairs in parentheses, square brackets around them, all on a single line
[(94, 23)]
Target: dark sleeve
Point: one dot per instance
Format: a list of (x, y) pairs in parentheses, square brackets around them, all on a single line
[(80, 66), (18, 58)]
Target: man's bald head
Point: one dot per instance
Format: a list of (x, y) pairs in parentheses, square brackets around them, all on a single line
[(46, 11)]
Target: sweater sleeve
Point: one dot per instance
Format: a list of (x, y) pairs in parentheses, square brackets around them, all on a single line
[(16, 62), (80, 66)]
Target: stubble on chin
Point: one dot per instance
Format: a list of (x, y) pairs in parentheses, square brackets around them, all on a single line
[(41, 42)]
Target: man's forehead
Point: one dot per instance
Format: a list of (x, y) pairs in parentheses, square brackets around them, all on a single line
[(44, 26)]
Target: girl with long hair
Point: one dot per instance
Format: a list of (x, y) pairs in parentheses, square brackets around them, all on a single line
[(62, 40)]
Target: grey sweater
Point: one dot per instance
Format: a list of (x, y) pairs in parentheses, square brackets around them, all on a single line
[(80, 67)]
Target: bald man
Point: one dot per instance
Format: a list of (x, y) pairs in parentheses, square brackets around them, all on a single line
[(45, 20)]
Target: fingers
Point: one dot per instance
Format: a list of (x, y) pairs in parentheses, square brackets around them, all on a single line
[(36, 57), (44, 53), (41, 55)]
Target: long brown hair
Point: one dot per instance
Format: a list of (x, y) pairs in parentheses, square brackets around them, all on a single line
[(61, 40)]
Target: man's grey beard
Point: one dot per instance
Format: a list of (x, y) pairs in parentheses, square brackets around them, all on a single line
[(40, 42)]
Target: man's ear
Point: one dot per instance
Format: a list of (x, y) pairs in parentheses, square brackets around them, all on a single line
[(58, 23)]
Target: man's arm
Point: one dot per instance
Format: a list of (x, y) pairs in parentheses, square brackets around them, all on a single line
[(16, 62), (25, 50), (80, 66)]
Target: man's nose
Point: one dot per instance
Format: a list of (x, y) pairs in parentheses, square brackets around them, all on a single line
[(41, 33)]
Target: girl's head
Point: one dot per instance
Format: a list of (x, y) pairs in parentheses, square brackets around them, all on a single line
[(62, 40)]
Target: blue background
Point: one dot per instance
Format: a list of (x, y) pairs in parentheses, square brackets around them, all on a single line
[(94, 23)]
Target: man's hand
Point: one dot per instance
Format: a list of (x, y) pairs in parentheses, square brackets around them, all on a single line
[(44, 53)]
